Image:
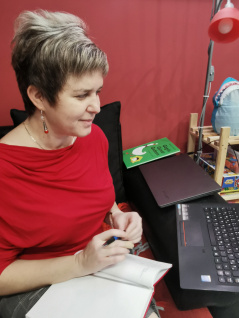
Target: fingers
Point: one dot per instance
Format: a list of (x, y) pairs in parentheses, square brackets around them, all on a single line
[(114, 259), (96, 256), (134, 234), (134, 230), (104, 236), (120, 244), (128, 245), (115, 253), (131, 222)]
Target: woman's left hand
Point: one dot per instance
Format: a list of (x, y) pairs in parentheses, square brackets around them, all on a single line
[(131, 223)]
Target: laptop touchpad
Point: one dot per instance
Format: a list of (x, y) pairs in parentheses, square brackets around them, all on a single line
[(192, 233)]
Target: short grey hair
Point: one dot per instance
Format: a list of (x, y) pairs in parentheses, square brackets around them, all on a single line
[(47, 48)]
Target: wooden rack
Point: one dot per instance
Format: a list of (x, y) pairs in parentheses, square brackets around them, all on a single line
[(217, 141)]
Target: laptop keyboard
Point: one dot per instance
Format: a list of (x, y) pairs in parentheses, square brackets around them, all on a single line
[(223, 227)]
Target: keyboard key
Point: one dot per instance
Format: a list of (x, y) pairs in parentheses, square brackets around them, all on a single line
[(217, 260), (211, 234), (235, 273), (227, 273), (222, 279), (220, 273), (223, 228)]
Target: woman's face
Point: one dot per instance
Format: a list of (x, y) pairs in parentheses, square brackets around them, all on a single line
[(76, 106)]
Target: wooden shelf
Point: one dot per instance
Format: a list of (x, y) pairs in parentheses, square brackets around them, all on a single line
[(230, 196), (217, 141), (210, 137)]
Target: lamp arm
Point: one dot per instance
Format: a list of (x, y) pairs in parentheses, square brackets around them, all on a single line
[(209, 78), (217, 6)]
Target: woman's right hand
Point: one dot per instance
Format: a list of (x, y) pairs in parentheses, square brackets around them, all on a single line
[(24, 275), (96, 256)]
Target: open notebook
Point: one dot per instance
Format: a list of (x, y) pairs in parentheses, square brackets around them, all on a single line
[(122, 290)]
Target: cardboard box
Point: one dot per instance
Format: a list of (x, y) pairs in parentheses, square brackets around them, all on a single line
[(230, 179), (232, 160)]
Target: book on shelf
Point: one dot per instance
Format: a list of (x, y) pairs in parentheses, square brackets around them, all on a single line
[(150, 151), (121, 290)]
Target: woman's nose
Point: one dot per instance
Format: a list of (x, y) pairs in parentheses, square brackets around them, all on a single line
[(94, 105)]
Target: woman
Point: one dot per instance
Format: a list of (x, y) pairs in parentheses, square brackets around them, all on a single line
[(54, 166)]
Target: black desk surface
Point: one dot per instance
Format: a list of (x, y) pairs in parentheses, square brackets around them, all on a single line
[(161, 233), (158, 219)]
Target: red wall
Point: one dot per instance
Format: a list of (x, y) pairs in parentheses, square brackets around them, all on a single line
[(157, 51)]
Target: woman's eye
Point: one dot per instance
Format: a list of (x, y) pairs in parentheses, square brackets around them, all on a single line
[(82, 96)]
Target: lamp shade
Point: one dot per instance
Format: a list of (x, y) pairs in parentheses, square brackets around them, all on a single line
[(224, 26)]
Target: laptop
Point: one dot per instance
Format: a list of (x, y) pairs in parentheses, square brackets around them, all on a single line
[(208, 246), (177, 179)]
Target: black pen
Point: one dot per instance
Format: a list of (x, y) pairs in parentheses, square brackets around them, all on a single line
[(111, 240), (114, 238)]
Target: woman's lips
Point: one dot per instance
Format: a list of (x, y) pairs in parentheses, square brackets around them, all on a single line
[(87, 122)]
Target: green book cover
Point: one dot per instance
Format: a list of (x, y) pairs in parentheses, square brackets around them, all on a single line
[(148, 152)]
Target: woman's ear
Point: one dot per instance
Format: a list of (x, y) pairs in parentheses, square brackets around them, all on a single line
[(35, 96)]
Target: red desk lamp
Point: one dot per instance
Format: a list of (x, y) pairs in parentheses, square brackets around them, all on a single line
[(223, 28)]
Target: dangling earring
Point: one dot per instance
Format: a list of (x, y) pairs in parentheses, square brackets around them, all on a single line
[(44, 123)]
